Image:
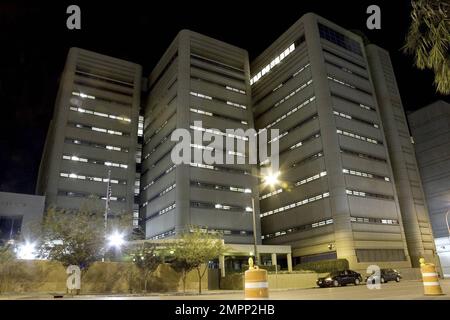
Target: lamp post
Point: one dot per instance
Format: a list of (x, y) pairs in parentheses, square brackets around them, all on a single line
[(108, 197), (255, 244)]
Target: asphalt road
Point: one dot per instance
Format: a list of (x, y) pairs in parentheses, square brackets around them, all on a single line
[(405, 290)]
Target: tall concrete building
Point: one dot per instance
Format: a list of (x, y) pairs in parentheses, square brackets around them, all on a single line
[(198, 79), (94, 129), (430, 127), (336, 196), (410, 193)]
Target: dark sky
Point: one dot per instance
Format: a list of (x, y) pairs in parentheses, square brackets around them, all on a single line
[(35, 41)]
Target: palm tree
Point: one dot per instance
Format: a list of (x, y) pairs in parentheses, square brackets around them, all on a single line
[(428, 40)]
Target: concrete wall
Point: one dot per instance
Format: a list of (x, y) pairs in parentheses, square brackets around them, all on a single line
[(110, 277)]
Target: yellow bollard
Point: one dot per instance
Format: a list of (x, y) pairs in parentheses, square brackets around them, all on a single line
[(431, 285), (256, 283)]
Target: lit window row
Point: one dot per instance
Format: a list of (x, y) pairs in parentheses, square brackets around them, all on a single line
[(99, 114), (368, 194), (235, 90), (199, 95), (272, 64), (230, 103), (365, 174), (281, 85), (347, 84), (291, 112), (215, 186), (270, 194), (102, 162), (95, 145), (357, 136), (298, 125), (295, 204), (312, 178), (161, 212), (77, 194), (373, 220), (307, 159), (140, 132), (301, 143), (234, 153), (163, 192), (160, 143), (298, 229), (90, 178), (293, 93), (210, 114), (362, 155), (158, 177), (158, 129), (83, 95), (219, 133), (163, 235), (97, 129), (219, 168), (346, 116), (359, 104), (219, 206)]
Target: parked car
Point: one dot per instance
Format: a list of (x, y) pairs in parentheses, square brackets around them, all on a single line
[(384, 276), (340, 278)]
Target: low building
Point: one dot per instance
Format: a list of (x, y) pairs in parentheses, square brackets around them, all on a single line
[(19, 214)]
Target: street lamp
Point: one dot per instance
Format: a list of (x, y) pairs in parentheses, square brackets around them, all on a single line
[(27, 251), (272, 178), (116, 240)]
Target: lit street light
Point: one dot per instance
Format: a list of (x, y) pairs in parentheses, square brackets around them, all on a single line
[(116, 240), (26, 251), (272, 178)]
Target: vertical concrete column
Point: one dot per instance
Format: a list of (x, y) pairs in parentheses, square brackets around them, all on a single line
[(340, 211), (183, 119), (274, 259), (289, 262), (222, 265)]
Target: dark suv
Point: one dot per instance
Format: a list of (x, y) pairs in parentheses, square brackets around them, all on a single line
[(385, 276), (340, 278)]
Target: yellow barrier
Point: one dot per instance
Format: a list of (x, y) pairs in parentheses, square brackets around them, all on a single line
[(256, 282), (431, 285)]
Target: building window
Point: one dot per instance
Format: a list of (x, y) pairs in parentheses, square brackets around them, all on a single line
[(94, 161), (339, 39), (374, 220), (365, 194), (91, 178), (296, 204), (349, 117), (10, 227), (301, 228), (100, 114), (97, 129), (357, 136), (365, 174)]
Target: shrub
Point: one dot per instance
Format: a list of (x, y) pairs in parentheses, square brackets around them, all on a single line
[(324, 266)]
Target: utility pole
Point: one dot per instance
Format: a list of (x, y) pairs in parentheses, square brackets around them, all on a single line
[(108, 197)]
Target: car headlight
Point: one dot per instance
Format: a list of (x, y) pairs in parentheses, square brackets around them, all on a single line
[(328, 279)]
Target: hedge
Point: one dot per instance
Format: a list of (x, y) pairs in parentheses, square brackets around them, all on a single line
[(324, 266)]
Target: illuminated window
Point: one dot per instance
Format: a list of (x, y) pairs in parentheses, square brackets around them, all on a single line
[(295, 204), (99, 114), (357, 136)]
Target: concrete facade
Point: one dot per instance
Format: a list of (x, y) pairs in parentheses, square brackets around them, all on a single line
[(336, 197), (94, 129), (430, 127), (408, 184), (19, 214), (197, 79)]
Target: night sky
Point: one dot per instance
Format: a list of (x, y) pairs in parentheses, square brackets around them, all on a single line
[(35, 41)]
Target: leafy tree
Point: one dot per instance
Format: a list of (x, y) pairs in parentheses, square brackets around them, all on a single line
[(147, 259), (428, 40), (193, 250), (76, 237)]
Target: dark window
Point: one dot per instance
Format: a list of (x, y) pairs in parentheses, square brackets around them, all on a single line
[(10, 227), (339, 39)]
